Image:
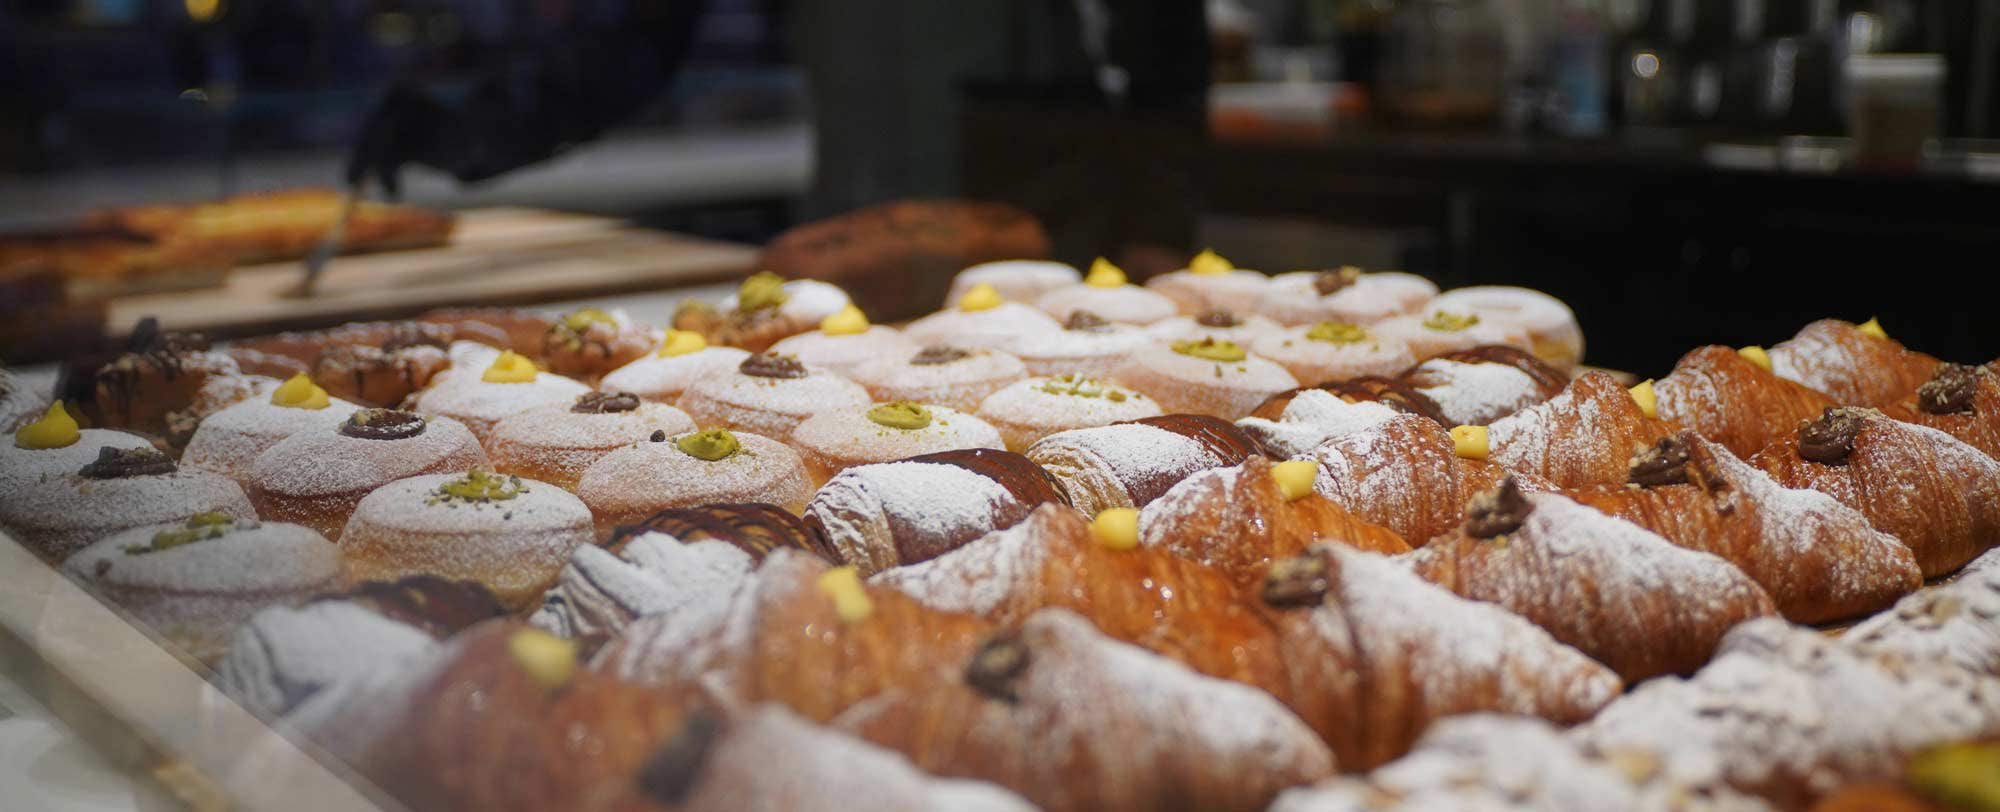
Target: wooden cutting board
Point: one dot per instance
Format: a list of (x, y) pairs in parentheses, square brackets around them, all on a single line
[(497, 257)]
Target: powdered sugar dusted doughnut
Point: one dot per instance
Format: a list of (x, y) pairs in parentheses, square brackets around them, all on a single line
[(1483, 384), (314, 478), (479, 400), (509, 533), (21, 467), (1438, 331), (119, 490), (662, 378), (1311, 417), (713, 465), (1131, 464), (1086, 345), (943, 374), (556, 443), (196, 581), (1334, 351), (769, 395), (830, 442), (1127, 304), (1344, 295), (1553, 334), (600, 592), (1196, 292), (890, 514), (842, 353), (1020, 280), (1205, 377), (1029, 410), (998, 326), (1239, 326), (229, 441)]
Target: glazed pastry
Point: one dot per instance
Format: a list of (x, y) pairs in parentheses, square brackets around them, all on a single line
[(1593, 581), (1962, 401), (54, 446), (669, 471), (1389, 392), (1437, 331), (1131, 464), (1404, 474), (1935, 494), (1105, 292), (941, 374), (1856, 365), (844, 341), (1086, 345), (1311, 417), (1734, 400), (385, 374), (165, 384), (119, 490), (314, 478), (685, 357), (1019, 280), (831, 442), (557, 442), (1583, 436), (769, 395), (510, 385), (1210, 282), (509, 533), (507, 328), (1551, 328), (1483, 384), (1241, 519), (1334, 351), (298, 351), (588, 342), (1026, 411), (1818, 559), (1789, 714), (981, 318), (1344, 295), (229, 441), (1235, 326), (1205, 377), (1957, 623), (891, 514), (195, 581)]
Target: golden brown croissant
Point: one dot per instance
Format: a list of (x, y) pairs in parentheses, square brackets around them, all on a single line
[(1624, 596), (1389, 392), (1937, 495), (1583, 436), (1818, 559), (1132, 463), (1851, 366), (1962, 401), (1405, 475), (1240, 519), (1733, 401), (1485, 383)]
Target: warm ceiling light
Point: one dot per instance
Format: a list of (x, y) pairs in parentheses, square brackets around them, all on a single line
[(202, 11)]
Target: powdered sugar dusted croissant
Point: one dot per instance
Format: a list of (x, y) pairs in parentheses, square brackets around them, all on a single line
[(1131, 464), (1405, 475), (880, 516), (601, 592), (1240, 519), (1624, 596), (1389, 392), (753, 527), (1820, 560), (1483, 384), (1937, 495), (1310, 417), (1583, 436), (1733, 401), (1958, 623), (1853, 366), (1962, 401)]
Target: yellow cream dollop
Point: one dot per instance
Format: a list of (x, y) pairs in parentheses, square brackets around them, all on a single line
[(1295, 478), (1209, 263), (1756, 355), (682, 342), (547, 659), (299, 392), (1103, 274), (981, 297), (510, 367), (850, 598), (1116, 528), (1872, 327), (849, 321), (55, 429), (1471, 442), (1648, 400)]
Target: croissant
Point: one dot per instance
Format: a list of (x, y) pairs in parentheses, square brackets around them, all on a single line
[(1405, 475), (755, 528), (1937, 495), (1240, 519), (601, 591), (1958, 623), (1389, 392), (1818, 559), (887, 514), (1485, 383), (1851, 366), (1130, 464), (1962, 401), (1624, 596), (1583, 436), (1733, 401), (1311, 417)]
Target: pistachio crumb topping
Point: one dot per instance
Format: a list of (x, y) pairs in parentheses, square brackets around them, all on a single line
[(199, 527), (1449, 322), (479, 485), (762, 291), (901, 414), (710, 445), (1212, 349)]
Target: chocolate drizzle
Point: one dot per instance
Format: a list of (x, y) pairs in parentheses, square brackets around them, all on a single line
[(772, 365), (383, 424), (1218, 318), (1546, 378), (1950, 390), (120, 463), (1029, 483), (438, 606), (754, 528), (605, 403), (404, 335), (1328, 283), (1830, 439), (1298, 581), (1666, 463), (673, 770), (939, 354), (996, 666), (1497, 512), (1086, 322)]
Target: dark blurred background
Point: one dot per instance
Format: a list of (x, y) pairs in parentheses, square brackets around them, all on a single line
[(1680, 171)]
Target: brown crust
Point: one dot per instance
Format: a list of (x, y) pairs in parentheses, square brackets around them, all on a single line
[(1242, 529), (1387, 391), (1590, 438), (440, 607), (1222, 439), (1851, 367), (755, 528), (1030, 484), (1978, 425), (1732, 401)]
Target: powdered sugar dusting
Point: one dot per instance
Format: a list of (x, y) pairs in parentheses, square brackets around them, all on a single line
[(1315, 362), (1129, 304), (979, 577), (1028, 410), (1956, 623), (842, 353), (479, 404), (1018, 280), (1095, 353), (1101, 467), (1185, 383), (1477, 394), (842, 437), (285, 655), (1251, 328), (600, 593), (250, 558), (21, 467), (771, 407), (59, 516), (662, 380), (994, 328), (640, 479), (960, 384), (229, 441), (559, 444), (880, 516), (323, 463), (1312, 417)]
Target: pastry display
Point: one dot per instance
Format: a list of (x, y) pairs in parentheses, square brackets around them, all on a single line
[(682, 358), (1855, 364), (282, 225), (943, 374), (831, 442), (768, 394), (1087, 345), (1437, 331), (891, 514), (1241, 519), (1334, 351), (1235, 326), (120, 489), (53, 446), (1551, 328), (600, 591), (1345, 295), (383, 375), (686, 470), (1028, 410), (1017, 280), (557, 442), (1952, 623), (844, 341), (1483, 384), (1818, 559), (195, 581), (1131, 464), (588, 342), (1105, 292), (981, 318), (756, 528), (479, 398), (1205, 376), (315, 478), (508, 533), (1732, 397), (1583, 436), (1308, 418), (1211, 283), (1406, 474), (229, 441)]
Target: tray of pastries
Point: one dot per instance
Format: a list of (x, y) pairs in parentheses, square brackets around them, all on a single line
[(1330, 540)]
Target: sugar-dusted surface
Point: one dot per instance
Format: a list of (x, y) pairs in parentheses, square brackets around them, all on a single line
[(285, 655), (1128, 304), (1476, 394), (830, 441), (1292, 300), (59, 516), (1551, 327), (662, 380), (1426, 342), (229, 441), (1096, 353), (514, 546), (995, 327), (638, 480), (880, 516), (1797, 521), (842, 353), (1027, 411), (807, 300), (556, 444), (599, 593), (959, 384), (1250, 329), (464, 397), (21, 401), (979, 577), (1957, 623), (266, 557), (323, 463), (1314, 362), (1313, 417), (21, 467), (1237, 291), (1185, 383), (1017, 280), (1120, 465), (771, 407)]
